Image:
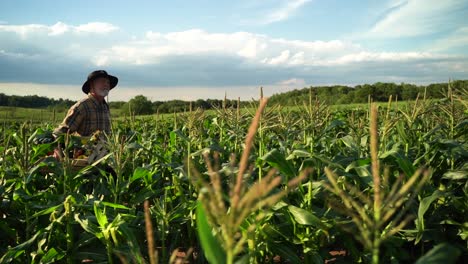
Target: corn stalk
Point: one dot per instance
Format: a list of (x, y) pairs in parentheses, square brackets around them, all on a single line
[(387, 215)]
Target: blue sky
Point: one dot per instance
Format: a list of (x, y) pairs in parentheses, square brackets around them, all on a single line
[(204, 49)]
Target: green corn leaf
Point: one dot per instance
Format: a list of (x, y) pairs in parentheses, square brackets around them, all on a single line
[(305, 217), (440, 254), (321, 158), (180, 134), (423, 207), (299, 154), (392, 152), (456, 175), (211, 247), (41, 150), (138, 173), (143, 195), (47, 211), (52, 256), (350, 142), (100, 216), (17, 251), (243, 260), (405, 165), (88, 226), (134, 145), (276, 159), (117, 206), (285, 252), (361, 166), (335, 123)]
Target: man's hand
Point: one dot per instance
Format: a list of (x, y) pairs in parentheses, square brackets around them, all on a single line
[(58, 154)]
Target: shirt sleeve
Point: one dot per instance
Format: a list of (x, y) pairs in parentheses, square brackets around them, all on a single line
[(71, 122)]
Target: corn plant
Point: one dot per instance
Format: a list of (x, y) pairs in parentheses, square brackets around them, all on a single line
[(227, 216), (383, 214)]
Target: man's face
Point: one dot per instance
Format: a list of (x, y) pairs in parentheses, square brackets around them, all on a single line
[(101, 86)]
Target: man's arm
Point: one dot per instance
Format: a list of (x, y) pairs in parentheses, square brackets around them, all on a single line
[(71, 122)]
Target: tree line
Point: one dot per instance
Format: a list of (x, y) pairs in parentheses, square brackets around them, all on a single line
[(34, 101), (337, 94), (377, 92), (141, 105)]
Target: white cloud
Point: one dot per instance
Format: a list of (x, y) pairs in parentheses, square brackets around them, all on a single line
[(12, 54), (281, 59), (198, 58), (253, 48), (58, 29), (284, 12), (294, 82), (416, 17), (298, 58), (457, 39), (384, 56), (23, 30), (96, 27), (101, 60), (266, 12)]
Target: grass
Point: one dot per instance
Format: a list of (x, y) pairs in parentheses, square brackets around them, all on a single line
[(34, 115)]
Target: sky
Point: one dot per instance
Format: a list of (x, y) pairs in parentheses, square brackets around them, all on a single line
[(208, 49)]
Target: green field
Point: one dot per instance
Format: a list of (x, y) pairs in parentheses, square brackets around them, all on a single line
[(35, 115), (305, 184), (19, 114)]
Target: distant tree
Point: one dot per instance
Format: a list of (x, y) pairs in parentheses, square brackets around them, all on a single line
[(435, 90), (139, 105), (12, 101), (361, 94), (200, 103), (3, 99), (337, 94), (116, 104), (409, 91)]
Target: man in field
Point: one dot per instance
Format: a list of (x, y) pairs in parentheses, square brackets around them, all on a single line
[(91, 114)]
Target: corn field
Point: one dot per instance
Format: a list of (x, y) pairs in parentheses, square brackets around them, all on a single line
[(264, 184)]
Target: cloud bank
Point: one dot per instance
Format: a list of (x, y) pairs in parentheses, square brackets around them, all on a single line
[(62, 54)]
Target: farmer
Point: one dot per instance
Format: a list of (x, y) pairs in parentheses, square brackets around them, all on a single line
[(90, 114)]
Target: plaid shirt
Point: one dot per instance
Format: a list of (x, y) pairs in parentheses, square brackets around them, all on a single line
[(86, 117)]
